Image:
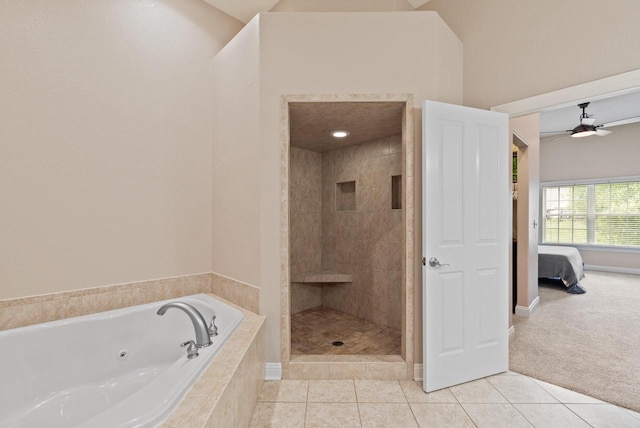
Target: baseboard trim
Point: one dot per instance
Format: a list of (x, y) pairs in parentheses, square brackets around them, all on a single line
[(418, 371), (613, 269), (273, 371), (526, 311)]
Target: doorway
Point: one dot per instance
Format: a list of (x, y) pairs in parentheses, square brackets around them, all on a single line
[(347, 289), (620, 84), (519, 213)]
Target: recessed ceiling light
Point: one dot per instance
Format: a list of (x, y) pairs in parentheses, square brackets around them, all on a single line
[(340, 134)]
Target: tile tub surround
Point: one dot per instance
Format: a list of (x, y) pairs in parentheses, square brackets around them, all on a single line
[(227, 392), (26, 311), (240, 293)]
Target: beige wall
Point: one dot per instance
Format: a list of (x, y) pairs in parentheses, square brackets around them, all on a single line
[(105, 141), (236, 157), (366, 242), (527, 129), (564, 159), (364, 53), (305, 219), (517, 49)]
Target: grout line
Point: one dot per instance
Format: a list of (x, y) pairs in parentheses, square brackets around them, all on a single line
[(522, 414), (306, 406), (631, 412), (579, 417), (463, 409), (499, 392), (359, 414)]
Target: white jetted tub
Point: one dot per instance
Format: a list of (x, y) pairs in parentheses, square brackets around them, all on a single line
[(122, 368)]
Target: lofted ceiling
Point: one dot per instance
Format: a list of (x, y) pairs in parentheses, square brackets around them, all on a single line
[(311, 124), (603, 110), (318, 119), (244, 10)]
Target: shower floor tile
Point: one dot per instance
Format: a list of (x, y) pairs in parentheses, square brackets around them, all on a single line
[(313, 332)]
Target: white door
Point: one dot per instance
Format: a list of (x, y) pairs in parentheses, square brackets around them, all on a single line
[(466, 203)]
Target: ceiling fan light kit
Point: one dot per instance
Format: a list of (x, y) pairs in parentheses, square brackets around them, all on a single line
[(583, 131), (586, 128)]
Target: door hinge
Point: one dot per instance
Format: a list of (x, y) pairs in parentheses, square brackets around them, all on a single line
[(424, 261)]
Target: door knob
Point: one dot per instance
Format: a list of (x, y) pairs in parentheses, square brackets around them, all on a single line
[(433, 262)]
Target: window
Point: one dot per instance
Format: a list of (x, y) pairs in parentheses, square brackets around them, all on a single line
[(593, 213)]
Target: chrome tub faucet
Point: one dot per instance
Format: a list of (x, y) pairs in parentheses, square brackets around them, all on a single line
[(203, 338)]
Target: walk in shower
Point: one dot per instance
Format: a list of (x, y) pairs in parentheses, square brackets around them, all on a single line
[(346, 228)]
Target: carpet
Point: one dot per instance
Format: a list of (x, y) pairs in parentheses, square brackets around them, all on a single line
[(589, 343)]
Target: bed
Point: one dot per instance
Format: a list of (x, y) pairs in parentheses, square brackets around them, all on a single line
[(564, 263)]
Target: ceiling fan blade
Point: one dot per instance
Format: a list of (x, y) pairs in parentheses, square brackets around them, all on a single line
[(602, 132), (552, 133), (626, 121)]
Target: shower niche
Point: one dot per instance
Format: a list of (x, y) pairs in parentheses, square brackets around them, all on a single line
[(346, 228)]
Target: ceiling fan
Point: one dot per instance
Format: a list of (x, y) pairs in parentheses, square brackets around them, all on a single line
[(587, 126)]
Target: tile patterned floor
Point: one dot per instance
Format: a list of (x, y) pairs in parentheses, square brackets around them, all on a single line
[(314, 330), (507, 400)]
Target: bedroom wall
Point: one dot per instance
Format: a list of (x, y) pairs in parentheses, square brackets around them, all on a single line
[(566, 158), (105, 141)]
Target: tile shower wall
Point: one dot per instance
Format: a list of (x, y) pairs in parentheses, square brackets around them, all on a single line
[(305, 217), (366, 241)]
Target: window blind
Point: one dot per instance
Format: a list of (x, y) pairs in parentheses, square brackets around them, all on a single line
[(597, 213)]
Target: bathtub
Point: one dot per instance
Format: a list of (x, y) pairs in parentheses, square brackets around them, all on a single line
[(122, 368)]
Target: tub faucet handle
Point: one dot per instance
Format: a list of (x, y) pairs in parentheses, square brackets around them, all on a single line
[(213, 329), (192, 349)]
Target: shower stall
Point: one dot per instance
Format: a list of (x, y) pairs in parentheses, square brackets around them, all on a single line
[(346, 228)]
